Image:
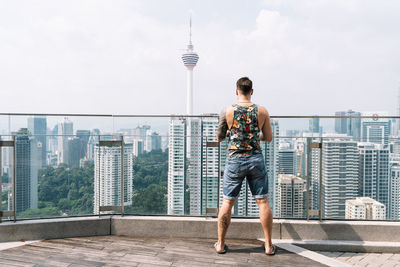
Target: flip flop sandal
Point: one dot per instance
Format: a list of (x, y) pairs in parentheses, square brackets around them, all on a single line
[(220, 252), (272, 253)]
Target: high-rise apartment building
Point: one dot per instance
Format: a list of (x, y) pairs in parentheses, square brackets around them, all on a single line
[(107, 176), (152, 141), (374, 172), (313, 125), (354, 124), (340, 159), (290, 196), (84, 136), (340, 123), (375, 129), (92, 142), (28, 162), (65, 131), (394, 191), (288, 161), (75, 151), (176, 166), (348, 126), (365, 208), (210, 168), (37, 126)]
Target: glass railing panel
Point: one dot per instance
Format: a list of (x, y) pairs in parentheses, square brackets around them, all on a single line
[(146, 176), (173, 166), (58, 183)]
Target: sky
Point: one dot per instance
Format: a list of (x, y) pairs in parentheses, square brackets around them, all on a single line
[(305, 57)]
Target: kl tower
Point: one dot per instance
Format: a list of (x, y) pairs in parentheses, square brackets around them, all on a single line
[(190, 59)]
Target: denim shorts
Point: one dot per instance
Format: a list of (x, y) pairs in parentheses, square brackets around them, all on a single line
[(253, 168)]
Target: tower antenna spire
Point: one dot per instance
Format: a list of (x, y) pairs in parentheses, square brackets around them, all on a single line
[(190, 29)]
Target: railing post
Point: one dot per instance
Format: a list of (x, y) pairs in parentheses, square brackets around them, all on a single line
[(15, 178), (308, 168), (122, 175), (320, 180), (98, 173), (310, 146)]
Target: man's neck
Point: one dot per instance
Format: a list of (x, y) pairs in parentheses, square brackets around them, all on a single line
[(244, 99)]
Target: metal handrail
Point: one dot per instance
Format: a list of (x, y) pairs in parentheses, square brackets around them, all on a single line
[(210, 115)]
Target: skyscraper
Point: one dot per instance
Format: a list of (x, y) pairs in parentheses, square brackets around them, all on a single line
[(83, 136), (349, 126), (354, 124), (375, 130), (28, 162), (75, 152), (93, 140), (287, 161), (65, 130), (152, 141), (290, 196), (107, 176), (394, 193), (176, 166), (374, 172), (313, 125), (339, 176), (37, 126), (340, 123)]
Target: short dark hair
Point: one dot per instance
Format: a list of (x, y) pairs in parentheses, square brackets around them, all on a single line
[(244, 85)]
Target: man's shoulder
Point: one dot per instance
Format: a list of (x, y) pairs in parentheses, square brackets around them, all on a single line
[(228, 109), (262, 110)]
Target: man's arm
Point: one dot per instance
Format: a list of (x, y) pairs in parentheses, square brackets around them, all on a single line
[(266, 131), (222, 126)]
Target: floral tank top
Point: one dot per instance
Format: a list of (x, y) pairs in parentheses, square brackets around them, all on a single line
[(244, 136)]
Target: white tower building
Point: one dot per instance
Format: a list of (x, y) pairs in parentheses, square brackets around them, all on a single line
[(190, 59), (176, 166), (340, 170), (107, 176), (290, 196), (65, 130), (365, 208)]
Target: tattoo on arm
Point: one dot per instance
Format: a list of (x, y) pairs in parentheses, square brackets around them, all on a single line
[(222, 125)]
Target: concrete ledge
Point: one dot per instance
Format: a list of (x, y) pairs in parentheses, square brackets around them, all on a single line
[(340, 230), (328, 235), (54, 228), (199, 227)]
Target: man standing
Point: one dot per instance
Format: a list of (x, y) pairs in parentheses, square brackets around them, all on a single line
[(245, 124)]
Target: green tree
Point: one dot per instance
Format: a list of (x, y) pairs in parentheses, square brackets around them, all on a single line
[(150, 183), (150, 200)]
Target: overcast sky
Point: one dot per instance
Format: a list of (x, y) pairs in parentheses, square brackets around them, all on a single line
[(305, 57)]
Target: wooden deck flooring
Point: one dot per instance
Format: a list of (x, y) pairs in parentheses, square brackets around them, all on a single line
[(128, 251)]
